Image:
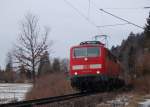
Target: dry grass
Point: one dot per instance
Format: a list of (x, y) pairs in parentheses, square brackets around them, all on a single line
[(142, 84), (137, 98), (141, 88), (50, 85)]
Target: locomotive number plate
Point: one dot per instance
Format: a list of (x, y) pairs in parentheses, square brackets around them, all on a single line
[(86, 67), (87, 71)]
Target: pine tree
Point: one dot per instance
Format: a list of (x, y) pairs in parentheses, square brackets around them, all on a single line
[(9, 65), (23, 73), (147, 35), (131, 60), (45, 65), (9, 73), (56, 65), (147, 28), (64, 65)]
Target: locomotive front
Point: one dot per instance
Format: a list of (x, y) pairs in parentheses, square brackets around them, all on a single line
[(87, 64)]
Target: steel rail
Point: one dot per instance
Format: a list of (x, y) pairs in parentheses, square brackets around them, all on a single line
[(43, 101)]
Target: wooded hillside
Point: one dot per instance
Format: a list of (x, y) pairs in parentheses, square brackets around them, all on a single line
[(134, 52)]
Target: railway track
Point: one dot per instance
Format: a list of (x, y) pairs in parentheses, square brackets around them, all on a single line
[(44, 101)]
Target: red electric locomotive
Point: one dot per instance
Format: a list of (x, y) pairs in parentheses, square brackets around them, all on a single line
[(92, 66)]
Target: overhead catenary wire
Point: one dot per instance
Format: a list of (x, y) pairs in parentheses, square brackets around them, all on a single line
[(121, 8), (87, 18), (147, 7), (135, 8), (93, 24), (121, 18), (80, 13), (129, 22), (89, 8), (113, 25)]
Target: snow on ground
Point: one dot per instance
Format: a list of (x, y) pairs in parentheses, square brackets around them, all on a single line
[(145, 103), (13, 92), (119, 101)]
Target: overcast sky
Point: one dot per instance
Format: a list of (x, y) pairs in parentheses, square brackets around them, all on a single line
[(68, 27)]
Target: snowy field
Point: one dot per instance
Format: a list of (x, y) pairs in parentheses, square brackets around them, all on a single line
[(13, 92)]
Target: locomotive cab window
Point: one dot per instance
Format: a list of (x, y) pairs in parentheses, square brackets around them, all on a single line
[(92, 52), (86, 52), (79, 52)]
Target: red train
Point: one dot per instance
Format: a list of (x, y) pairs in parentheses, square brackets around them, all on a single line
[(92, 66)]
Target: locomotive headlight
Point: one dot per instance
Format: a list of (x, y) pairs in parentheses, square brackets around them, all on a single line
[(75, 73), (77, 67), (98, 72), (95, 66)]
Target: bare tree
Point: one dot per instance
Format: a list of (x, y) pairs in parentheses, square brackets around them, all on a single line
[(32, 44)]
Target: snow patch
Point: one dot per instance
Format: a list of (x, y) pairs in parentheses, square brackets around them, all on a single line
[(13, 92)]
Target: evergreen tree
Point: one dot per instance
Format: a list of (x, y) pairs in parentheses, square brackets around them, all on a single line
[(56, 65), (1, 74), (23, 73), (134, 60), (9, 74), (45, 65), (9, 65), (115, 51), (131, 60), (64, 65), (147, 35), (147, 28)]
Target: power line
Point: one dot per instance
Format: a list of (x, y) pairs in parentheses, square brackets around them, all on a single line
[(93, 24), (146, 7), (80, 13), (112, 25), (125, 8), (121, 19), (89, 8), (128, 8)]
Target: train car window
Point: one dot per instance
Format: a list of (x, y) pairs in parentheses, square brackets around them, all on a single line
[(80, 52), (86, 52), (93, 51)]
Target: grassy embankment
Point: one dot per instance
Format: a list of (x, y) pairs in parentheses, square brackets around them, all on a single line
[(50, 85)]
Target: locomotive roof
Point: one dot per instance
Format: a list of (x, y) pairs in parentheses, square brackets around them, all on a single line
[(91, 43)]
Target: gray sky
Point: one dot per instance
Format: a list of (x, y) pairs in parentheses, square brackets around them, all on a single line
[(68, 27)]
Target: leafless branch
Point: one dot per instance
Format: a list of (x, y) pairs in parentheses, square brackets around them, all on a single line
[(32, 43)]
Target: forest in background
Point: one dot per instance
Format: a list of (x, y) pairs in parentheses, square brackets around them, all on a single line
[(46, 66), (134, 55)]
